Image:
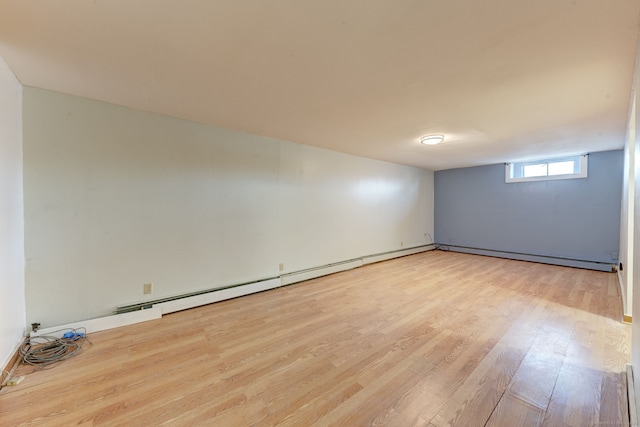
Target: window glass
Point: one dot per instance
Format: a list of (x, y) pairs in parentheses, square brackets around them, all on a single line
[(535, 170), (541, 170), (562, 168)]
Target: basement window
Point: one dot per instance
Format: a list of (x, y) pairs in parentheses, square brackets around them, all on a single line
[(544, 170)]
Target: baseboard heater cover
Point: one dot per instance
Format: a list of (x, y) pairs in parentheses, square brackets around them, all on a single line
[(312, 273), (220, 295), (175, 303), (150, 310), (521, 256), (103, 323), (384, 256)]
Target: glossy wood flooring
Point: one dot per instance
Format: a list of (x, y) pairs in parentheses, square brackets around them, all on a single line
[(433, 339)]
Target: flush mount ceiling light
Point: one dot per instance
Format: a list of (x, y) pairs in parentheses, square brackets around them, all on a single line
[(432, 139)]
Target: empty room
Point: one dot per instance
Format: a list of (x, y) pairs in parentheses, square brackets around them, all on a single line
[(296, 213)]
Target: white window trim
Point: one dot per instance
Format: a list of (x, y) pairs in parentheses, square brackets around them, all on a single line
[(508, 171)]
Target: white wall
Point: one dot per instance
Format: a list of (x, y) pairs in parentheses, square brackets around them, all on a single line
[(116, 197), (627, 215), (12, 297), (634, 157)]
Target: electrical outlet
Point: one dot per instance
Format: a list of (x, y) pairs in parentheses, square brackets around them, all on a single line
[(281, 267), (147, 288), (401, 244)]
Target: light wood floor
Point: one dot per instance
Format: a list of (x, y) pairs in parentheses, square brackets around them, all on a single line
[(432, 339)]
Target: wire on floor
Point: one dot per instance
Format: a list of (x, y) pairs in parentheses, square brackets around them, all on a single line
[(45, 350)]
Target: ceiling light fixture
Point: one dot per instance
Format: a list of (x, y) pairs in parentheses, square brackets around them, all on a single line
[(432, 139)]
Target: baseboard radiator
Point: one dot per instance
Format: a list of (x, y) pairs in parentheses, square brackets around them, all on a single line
[(522, 256), (150, 310), (196, 299)]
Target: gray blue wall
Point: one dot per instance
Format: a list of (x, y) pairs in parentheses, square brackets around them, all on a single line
[(577, 219)]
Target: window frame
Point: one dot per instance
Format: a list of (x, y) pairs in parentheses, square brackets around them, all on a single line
[(513, 172)]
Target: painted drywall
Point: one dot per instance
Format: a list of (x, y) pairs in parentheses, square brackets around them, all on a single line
[(115, 198), (12, 292), (634, 121), (627, 212), (574, 218), (634, 234)]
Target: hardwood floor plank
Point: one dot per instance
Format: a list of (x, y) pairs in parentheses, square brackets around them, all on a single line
[(432, 339), (536, 376), (512, 411), (613, 401), (576, 397), (474, 400)]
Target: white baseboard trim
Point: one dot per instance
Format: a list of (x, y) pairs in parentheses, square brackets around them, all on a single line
[(626, 313), (221, 295), (396, 254), (10, 361), (157, 310), (104, 323), (319, 272)]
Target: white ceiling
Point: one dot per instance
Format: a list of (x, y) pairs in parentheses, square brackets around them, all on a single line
[(501, 79)]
